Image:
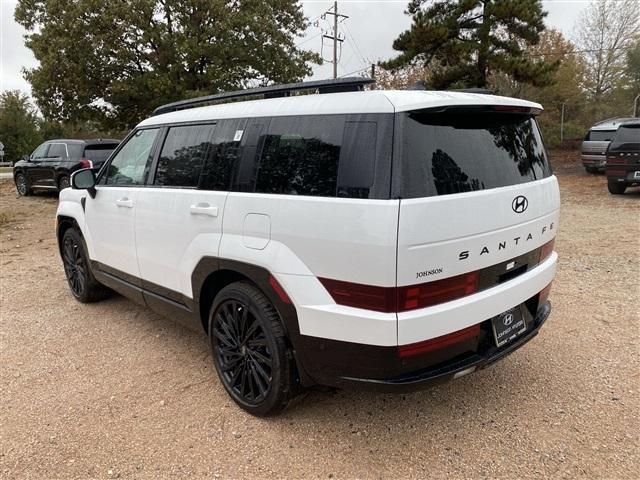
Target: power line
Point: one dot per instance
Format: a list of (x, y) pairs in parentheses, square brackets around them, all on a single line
[(335, 37)]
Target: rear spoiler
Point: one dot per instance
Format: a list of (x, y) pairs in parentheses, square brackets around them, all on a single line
[(460, 109)]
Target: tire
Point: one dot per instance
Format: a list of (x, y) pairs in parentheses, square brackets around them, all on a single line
[(77, 268), (22, 185), (616, 188), (591, 169), (250, 351), (63, 182)]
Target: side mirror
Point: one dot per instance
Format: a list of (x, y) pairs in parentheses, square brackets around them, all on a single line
[(26, 158), (84, 179)]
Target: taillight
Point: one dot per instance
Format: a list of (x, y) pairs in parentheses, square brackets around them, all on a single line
[(440, 291), (401, 299), (86, 163), (546, 250), (543, 296), (439, 342), (617, 161), (369, 297)]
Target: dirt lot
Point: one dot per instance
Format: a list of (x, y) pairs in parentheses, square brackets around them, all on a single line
[(111, 390)]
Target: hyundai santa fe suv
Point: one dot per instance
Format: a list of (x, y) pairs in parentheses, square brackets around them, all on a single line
[(50, 165), (385, 239)]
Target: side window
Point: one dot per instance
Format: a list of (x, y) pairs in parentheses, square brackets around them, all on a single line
[(218, 168), (183, 155), (128, 166), (40, 152), (357, 159), (300, 156), (57, 150)]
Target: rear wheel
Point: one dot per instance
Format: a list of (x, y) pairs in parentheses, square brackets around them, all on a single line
[(591, 169), (616, 188), (63, 182), (82, 283), (250, 352), (22, 185)]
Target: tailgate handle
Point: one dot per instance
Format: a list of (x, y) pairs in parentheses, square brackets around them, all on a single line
[(124, 202), (203, 209)]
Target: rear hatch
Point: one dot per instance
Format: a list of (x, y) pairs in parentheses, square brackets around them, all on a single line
[(597, 141), (476, 193), (98, 153)]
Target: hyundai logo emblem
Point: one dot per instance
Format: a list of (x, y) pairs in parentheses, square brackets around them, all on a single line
[(519, 204), (508, 319)]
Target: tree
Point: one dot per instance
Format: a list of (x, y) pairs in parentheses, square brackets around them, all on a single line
[(18, 125), (564, 88), (116, 61), (463, 42), (606, 31)]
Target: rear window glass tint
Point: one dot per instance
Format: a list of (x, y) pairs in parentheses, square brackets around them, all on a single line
[(628, 134), (182, 156), (601, 135), (357, 159), (98, 153), (300, 156), (225, 149), (446, 153)]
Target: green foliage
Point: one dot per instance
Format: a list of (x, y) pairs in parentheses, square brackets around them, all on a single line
[(18, 125), (463, 42), (115, 61)]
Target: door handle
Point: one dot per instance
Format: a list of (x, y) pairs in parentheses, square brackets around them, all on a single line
[(124, 202), (203, 209)]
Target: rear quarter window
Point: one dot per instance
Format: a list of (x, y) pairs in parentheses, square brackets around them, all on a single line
[(447, 153)]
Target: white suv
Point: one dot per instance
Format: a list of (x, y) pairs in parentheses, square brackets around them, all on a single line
[(387, 239)]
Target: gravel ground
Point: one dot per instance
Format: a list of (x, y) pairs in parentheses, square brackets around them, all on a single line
[(111, 390)]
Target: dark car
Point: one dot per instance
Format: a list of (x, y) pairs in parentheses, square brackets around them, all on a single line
[(623, 158), (50, 165)]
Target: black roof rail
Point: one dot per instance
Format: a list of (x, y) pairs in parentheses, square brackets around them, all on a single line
[(348, 84)]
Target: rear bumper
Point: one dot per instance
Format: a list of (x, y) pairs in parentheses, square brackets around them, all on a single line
[(342, 364), (593, 161), (623, 174), (457, 368)]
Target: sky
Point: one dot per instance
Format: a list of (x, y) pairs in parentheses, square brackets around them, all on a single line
[(368, 33)]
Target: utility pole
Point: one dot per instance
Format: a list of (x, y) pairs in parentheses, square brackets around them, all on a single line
[(335, 36)]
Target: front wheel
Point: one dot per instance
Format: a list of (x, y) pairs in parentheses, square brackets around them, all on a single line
[(250, 352), (22, 185), (77, 269), (616, 188)]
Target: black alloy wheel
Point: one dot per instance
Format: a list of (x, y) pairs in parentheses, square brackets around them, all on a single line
[(21, 185), (75, 266), (77, 269), (250, 350), (242, 351), (63, 182)]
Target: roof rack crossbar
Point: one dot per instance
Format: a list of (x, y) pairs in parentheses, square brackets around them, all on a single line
[(348, 84)]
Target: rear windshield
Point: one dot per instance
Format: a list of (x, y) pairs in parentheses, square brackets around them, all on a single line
[(600, 135), (628, 134), (99, 153), (446, 153)]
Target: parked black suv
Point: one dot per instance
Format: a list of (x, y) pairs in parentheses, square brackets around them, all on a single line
[(623, 158), (50, 165)]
